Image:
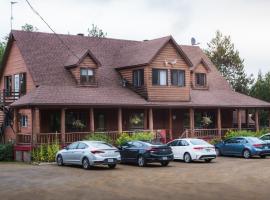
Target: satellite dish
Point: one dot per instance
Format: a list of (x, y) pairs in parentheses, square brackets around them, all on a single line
[(193, 41)]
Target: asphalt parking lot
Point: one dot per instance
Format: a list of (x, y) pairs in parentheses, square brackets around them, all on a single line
[(225, 178)]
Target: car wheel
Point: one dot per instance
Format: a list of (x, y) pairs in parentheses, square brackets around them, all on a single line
[(141, 161), (59, 160), (187, 158), (218, 152), (263, 156), (85, 163), (208, 160), (246, 154), (111, 166), (164, 163)]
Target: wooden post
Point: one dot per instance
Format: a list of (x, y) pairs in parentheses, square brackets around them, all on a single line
[(219, 122), (170, 123), (15, 121), (150, 117), (239, 119), (36, 125), (63, 126), (247, 118), (191, 121), (120, 129), (145, 119), (92, 120), (257, 125), (269, 119)]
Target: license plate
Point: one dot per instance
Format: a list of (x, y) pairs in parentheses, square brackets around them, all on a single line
[(208, 150), (110, 160), (164, 158)]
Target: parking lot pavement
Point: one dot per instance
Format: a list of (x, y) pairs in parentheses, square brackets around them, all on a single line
[(225, 178)]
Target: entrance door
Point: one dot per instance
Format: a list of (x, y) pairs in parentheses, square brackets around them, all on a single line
[(16, 85), (177, 123)]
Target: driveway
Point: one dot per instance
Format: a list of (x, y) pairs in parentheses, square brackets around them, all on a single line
[(225, 178)]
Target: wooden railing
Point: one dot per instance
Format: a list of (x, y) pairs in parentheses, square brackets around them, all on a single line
[(8, 97), (75, 136), (48, 138), (24, 139)]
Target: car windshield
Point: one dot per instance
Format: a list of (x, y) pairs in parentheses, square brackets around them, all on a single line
[(100, 145), (198, 142), (254, 140)]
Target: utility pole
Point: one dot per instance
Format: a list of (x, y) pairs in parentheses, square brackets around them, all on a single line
[(11, 13)]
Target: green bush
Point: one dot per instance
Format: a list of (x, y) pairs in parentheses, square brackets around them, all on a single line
[(143, 136), (99, 137), (245, 133), (215, 141), (6, 152), (45, 153)]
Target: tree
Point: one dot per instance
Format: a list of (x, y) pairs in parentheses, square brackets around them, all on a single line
[(222, 53), (29, 27), (96, 32), (261, 90)]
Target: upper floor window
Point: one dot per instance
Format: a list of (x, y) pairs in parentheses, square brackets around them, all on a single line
[(159, 77), (8, 85), (22, 83), (200, 79), (138, 76), (24, 120), (178, 78), (87, 76)]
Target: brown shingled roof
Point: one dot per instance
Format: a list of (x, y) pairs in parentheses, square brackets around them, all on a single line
[(46, 58)]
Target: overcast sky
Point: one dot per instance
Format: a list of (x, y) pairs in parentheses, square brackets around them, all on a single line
[(247, 21)]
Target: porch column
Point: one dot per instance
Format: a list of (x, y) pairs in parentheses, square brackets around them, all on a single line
[(36, 125), (150, 118), (247, 118), (170, 123), (219, 122), (239, 119), (191, 121), (257, 120), (63, 126), (145, 120), (120, 129), (92, 120)]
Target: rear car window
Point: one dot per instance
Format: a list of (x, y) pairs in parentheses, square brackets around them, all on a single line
[(254, 140), (100, 145), (198, 142)]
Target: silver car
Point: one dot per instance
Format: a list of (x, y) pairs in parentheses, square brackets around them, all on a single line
[(266, 138), (89, 153)]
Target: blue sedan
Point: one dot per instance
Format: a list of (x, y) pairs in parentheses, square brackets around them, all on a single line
[(243, 146)]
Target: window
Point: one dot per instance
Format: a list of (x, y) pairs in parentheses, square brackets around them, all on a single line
[(82, 146), (173, 143), (8, 85), (73, 145), (138, 76), (22, 83), (87, 76), (178, 78), (200, 79), (159, 77), (24, 120), (183, 143), (136, 120)]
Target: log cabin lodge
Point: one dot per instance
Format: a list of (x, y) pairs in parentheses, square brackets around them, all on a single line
[(63, 89)]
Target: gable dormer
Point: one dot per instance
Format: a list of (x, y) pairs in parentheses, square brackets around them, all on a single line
[(84, 68), (199, 75)]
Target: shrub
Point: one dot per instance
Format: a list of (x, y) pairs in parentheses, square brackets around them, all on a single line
[(245, 133), (215, 141), (6, 152), (45, 153), (99, 137), (143, 136)]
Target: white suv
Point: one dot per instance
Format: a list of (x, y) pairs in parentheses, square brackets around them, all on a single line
[(189, 149)]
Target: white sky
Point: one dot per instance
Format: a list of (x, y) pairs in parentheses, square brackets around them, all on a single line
[(247, 21)]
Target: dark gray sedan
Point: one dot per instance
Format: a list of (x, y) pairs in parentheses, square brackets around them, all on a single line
[(89, 153)]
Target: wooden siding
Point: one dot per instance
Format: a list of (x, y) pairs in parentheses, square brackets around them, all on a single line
[(128, 75), (15, 65), (169, 92), (86, 63)]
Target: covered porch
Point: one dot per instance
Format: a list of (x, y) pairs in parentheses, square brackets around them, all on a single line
[(67, 125)]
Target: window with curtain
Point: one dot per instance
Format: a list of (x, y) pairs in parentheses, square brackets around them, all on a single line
[(87, 76), (178, 78), (159, 77), (138, 78), (200, 79)]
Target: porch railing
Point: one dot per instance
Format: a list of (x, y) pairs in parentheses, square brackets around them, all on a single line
[(48, 138), (24, 138)]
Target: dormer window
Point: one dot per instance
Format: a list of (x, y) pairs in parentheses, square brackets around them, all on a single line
[(159, 77), (200, 79), (87, 76), (138, 78)]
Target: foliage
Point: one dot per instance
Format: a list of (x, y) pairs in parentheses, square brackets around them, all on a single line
[(6, 152), (142, 136), (244, 133), (215, 141), (78, 124), (99, 137), (223, 54), (206, 121), (45, 153), (261, 90), (29, 27), (96, 32), (3, 44)]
